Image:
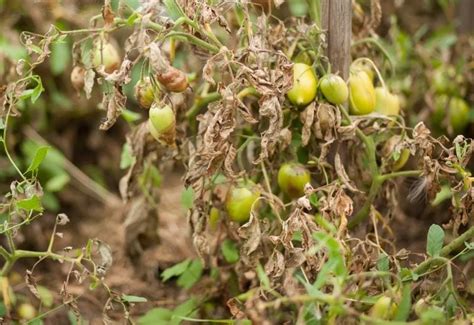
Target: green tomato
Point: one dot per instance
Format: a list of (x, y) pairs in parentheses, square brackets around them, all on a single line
[(292, 178), (26, 311), (305, 85), (334, 89), (361, 93), (455, 109), (145, 93), (240, 200), (162, 118), (106, 54), (385, 102)]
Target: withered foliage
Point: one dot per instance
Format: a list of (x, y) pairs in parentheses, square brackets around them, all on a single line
[(246, 131)]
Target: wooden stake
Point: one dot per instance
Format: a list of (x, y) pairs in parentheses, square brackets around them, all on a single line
[(337, 21)]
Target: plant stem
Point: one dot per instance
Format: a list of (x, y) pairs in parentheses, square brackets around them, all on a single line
[(193, 39), (405, 173), (445, 252), (201, 102)]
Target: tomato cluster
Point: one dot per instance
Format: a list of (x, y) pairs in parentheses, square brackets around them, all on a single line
[(243, 197), (360, 92)]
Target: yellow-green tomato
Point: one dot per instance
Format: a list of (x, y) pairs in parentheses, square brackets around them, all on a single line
[(162, 118), (26, 311), (361, 93), (334, 89), (385, 102), (106, 54), (455, 108), (305, 85), (240, 200), (292, 178), (144, 93)]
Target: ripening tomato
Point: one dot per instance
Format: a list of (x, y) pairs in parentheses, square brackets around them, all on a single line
[(361, 93), (292, 178), (106, 54), (26, 311), (144, 93), (385, 102), (455, 109), (334, 89), (305, 85), (240, 200)]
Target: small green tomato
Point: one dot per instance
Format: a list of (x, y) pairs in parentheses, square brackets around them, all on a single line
[(26, 311), (334, 89), (145, 93), (457, 111), (385, 102), (240, 200), (305, 85), (361, 93), (292, 178), (106, 54), (162, 118)]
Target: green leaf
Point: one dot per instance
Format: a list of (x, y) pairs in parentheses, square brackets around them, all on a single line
[(175, 270), (126, 158), (36, 93), (133, 299), (442, 195), (31, 204), (435, 240), (404, 307), (130, 116), (57, 182), (45, 295), (156, 316), (335, 264), (3, 309), (38, 158), (173, 9), (191, 275), (383, 263), (186, 309), (187, 198), (230, 251), (60, 57)]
